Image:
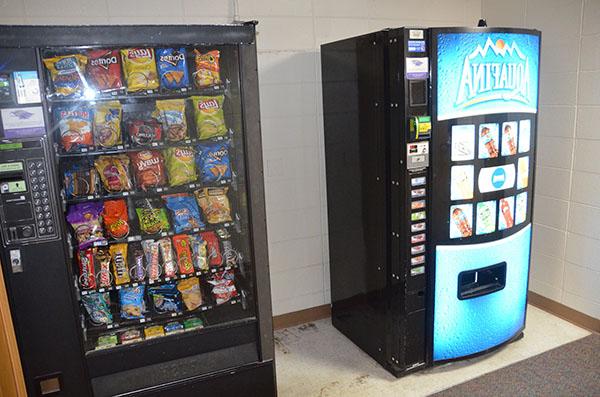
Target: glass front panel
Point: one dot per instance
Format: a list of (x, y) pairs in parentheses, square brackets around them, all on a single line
[(150, 148)]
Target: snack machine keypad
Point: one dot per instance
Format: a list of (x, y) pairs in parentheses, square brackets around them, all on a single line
[(38, 180)]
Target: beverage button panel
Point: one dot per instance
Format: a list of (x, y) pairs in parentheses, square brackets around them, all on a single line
[(417, 249), (418, 181), (417, 238)]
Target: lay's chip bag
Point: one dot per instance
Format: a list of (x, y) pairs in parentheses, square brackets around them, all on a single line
[(172, 68), (139, 68), (209, 116), (67, 73)]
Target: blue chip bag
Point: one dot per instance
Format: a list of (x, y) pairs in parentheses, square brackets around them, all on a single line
[(184, 212), (212, 159), (132, 302), (165, 298), (172, 68)]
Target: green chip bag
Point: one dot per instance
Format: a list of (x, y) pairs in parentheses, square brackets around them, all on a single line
[(152, 216), (209, 116), (181, 166)]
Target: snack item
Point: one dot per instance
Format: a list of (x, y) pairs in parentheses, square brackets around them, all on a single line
[(214, 204), (107, 124), (180, 165), (116, 219), (207, 68), (184, 211), (85, 220), (97, 306), (130, 336), (181, 243), (102, 259), (118, 254), (80, 179), (172, 68), (209, 116), (87, 280), (166, 252), (173, 328), (193, 323), (104, 70), (131, 300), (212, 247), (137, 271), (171, 114), (151, 252), (151, 215), (199, 255), (139, 68), (144, 132), (114, 172), (223, 286), (212, 160), (165, 298), (105, 341), (148, 168), (190, 292), (74, 126), (67, 74), (154, 331)]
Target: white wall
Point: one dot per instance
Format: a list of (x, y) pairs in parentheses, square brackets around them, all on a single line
[(566, 238), (289, 35)]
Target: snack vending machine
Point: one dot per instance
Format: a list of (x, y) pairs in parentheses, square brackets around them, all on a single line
[(133, 223), (430, 153)]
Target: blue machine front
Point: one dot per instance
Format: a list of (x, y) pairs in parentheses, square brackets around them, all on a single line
[(469, 326)]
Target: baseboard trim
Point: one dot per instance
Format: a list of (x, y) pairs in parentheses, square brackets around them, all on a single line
[(566, 313), (301, 316)]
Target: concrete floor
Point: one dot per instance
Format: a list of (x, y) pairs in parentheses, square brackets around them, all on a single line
[(314, 359)]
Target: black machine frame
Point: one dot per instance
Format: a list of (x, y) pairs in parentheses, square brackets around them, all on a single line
[(244, 354)]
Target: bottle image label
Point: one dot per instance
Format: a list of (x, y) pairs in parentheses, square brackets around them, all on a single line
[(486, 217), (506, 210), (488, 141), (509, 141), (461, 217)]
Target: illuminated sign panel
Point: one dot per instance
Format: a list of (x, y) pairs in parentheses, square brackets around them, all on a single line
[(484, 73)]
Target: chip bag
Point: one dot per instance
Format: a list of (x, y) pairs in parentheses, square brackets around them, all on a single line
[(80, 179), (190, 293), (107, 124), (104, 70), (130, 336), (199, 252), (118, 253), (171, 114), (214, 204), (208, 71), (144, 132), (165, 298), (223, 287), (154, 331), (97, 305), (172, 68), (131, 300), (213, 252), (181, 166), (116, 219), (185, 214), (209, 116), (148, 168), (85, 220), (151, 215), (139, 68), (67, 74), (114, 172), (212, 160), (181, 243), (74, 126)]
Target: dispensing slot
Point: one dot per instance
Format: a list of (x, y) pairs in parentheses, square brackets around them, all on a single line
[(483, 281)]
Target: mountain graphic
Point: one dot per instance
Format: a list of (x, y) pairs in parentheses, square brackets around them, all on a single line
[(499, 48)]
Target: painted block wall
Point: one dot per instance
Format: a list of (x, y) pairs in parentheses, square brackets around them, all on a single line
[(566, 236)]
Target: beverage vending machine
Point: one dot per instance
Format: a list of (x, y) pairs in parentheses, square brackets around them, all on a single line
[(133, 225), (430, 156)]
